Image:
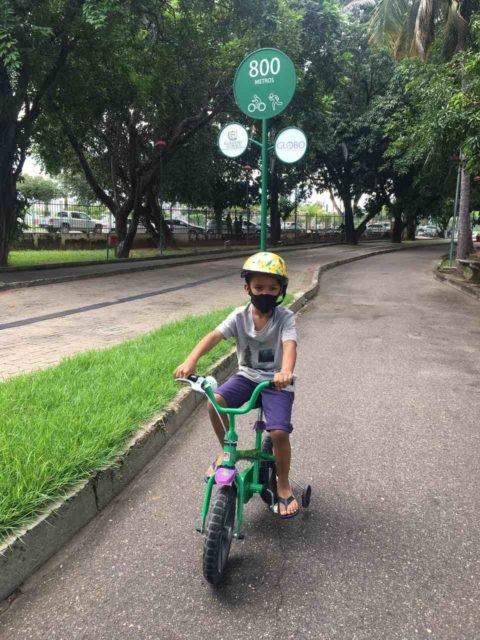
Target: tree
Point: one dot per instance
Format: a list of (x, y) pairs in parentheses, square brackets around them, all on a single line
[(74, 184), (411, 29), (36, 39), (346, 149), (125, 126), (37, 188)]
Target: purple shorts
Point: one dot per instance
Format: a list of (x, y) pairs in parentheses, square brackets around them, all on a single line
[(276, 403)]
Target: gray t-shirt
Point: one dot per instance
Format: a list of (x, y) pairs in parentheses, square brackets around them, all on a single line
[(259, 353)]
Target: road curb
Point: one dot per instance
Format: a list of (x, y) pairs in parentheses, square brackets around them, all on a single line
[(22, 554), (460, 286), (170, 261)]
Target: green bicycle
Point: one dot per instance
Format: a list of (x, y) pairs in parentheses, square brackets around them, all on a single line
[(235, 488)]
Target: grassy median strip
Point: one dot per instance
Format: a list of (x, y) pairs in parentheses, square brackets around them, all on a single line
[(62, 424), (27, 258)]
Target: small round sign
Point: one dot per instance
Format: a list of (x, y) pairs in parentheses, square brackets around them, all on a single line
[(233, 140), (264, 83), (290, 145)]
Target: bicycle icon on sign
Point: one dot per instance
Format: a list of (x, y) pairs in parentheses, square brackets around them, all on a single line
[(256, 105)]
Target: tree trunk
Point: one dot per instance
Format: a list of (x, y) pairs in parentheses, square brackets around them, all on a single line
[(464, 245), (8, 189), (350, 236), (8, 214), (363, 224), (411, 220), (397, 223), (8, 171)]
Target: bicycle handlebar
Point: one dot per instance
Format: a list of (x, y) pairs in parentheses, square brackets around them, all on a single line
[(204, 385)]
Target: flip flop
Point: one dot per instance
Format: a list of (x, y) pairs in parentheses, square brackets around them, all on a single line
[(286, 502)]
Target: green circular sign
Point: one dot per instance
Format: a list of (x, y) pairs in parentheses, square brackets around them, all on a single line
[(264, 83)]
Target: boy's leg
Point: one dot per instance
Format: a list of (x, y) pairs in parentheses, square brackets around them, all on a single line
[(277, 407), (233, 393), (282, 451), (219, 423)]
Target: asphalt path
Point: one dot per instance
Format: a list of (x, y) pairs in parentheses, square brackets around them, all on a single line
[(386, 431), (41, 325)]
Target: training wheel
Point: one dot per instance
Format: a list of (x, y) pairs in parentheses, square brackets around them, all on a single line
[(306, 495)]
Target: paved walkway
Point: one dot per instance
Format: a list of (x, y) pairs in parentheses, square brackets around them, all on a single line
[(386, 431), (41, 325)]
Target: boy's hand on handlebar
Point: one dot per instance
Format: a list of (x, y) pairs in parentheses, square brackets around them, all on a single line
[(185, 369), (282, 379)]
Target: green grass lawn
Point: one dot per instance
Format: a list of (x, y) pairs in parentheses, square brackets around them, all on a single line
[(62, 424), (31, 257)]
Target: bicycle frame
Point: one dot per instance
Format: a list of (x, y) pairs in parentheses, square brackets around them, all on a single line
[(247, 481)]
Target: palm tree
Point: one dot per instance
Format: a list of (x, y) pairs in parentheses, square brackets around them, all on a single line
[(408, 28)]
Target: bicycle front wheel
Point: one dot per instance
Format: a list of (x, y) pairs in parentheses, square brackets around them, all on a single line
[(219, 534)]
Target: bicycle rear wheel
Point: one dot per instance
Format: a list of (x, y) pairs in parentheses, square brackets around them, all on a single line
[(219, 534)]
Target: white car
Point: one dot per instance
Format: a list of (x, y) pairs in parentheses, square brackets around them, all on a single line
[(66, 221), (378, 230), (108, 223), (294, 226), (34, 223), (429, 230), (211, 228), (180, 227)]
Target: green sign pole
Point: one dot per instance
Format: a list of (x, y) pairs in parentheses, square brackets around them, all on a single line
[(263, 210), (263, 88)]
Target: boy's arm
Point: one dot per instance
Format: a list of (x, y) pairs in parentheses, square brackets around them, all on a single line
[(204, 346), (285, 376)]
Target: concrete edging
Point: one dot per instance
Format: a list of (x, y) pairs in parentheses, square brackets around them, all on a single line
[(23, 553), (460, 286), (155, 263)]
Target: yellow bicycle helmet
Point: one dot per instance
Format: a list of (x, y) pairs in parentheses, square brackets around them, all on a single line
[(269, 264)]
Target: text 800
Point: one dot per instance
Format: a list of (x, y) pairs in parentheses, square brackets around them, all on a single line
[(264, 67)]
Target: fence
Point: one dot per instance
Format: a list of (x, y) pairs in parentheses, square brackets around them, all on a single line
[(193, 225)]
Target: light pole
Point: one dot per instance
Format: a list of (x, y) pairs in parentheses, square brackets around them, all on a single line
[(248, 170)]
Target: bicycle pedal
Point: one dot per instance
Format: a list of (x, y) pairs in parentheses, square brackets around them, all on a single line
[(239, 536)]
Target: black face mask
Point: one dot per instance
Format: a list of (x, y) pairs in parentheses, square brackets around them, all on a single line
[(264, 302)]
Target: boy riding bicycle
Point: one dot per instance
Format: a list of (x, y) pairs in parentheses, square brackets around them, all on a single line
[(266, 340)]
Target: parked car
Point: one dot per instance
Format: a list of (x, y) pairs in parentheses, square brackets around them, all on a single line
[(34, 222), (429, 231), (294, 226), (180, 227), (66, 221), (108, 223), (211, 227), (378, 230), (252, 228), (141, 228), (334, 230)]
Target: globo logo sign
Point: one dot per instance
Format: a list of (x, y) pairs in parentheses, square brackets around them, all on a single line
[(290, 145)]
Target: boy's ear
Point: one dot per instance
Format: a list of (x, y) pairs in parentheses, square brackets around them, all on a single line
[(246, 287)]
